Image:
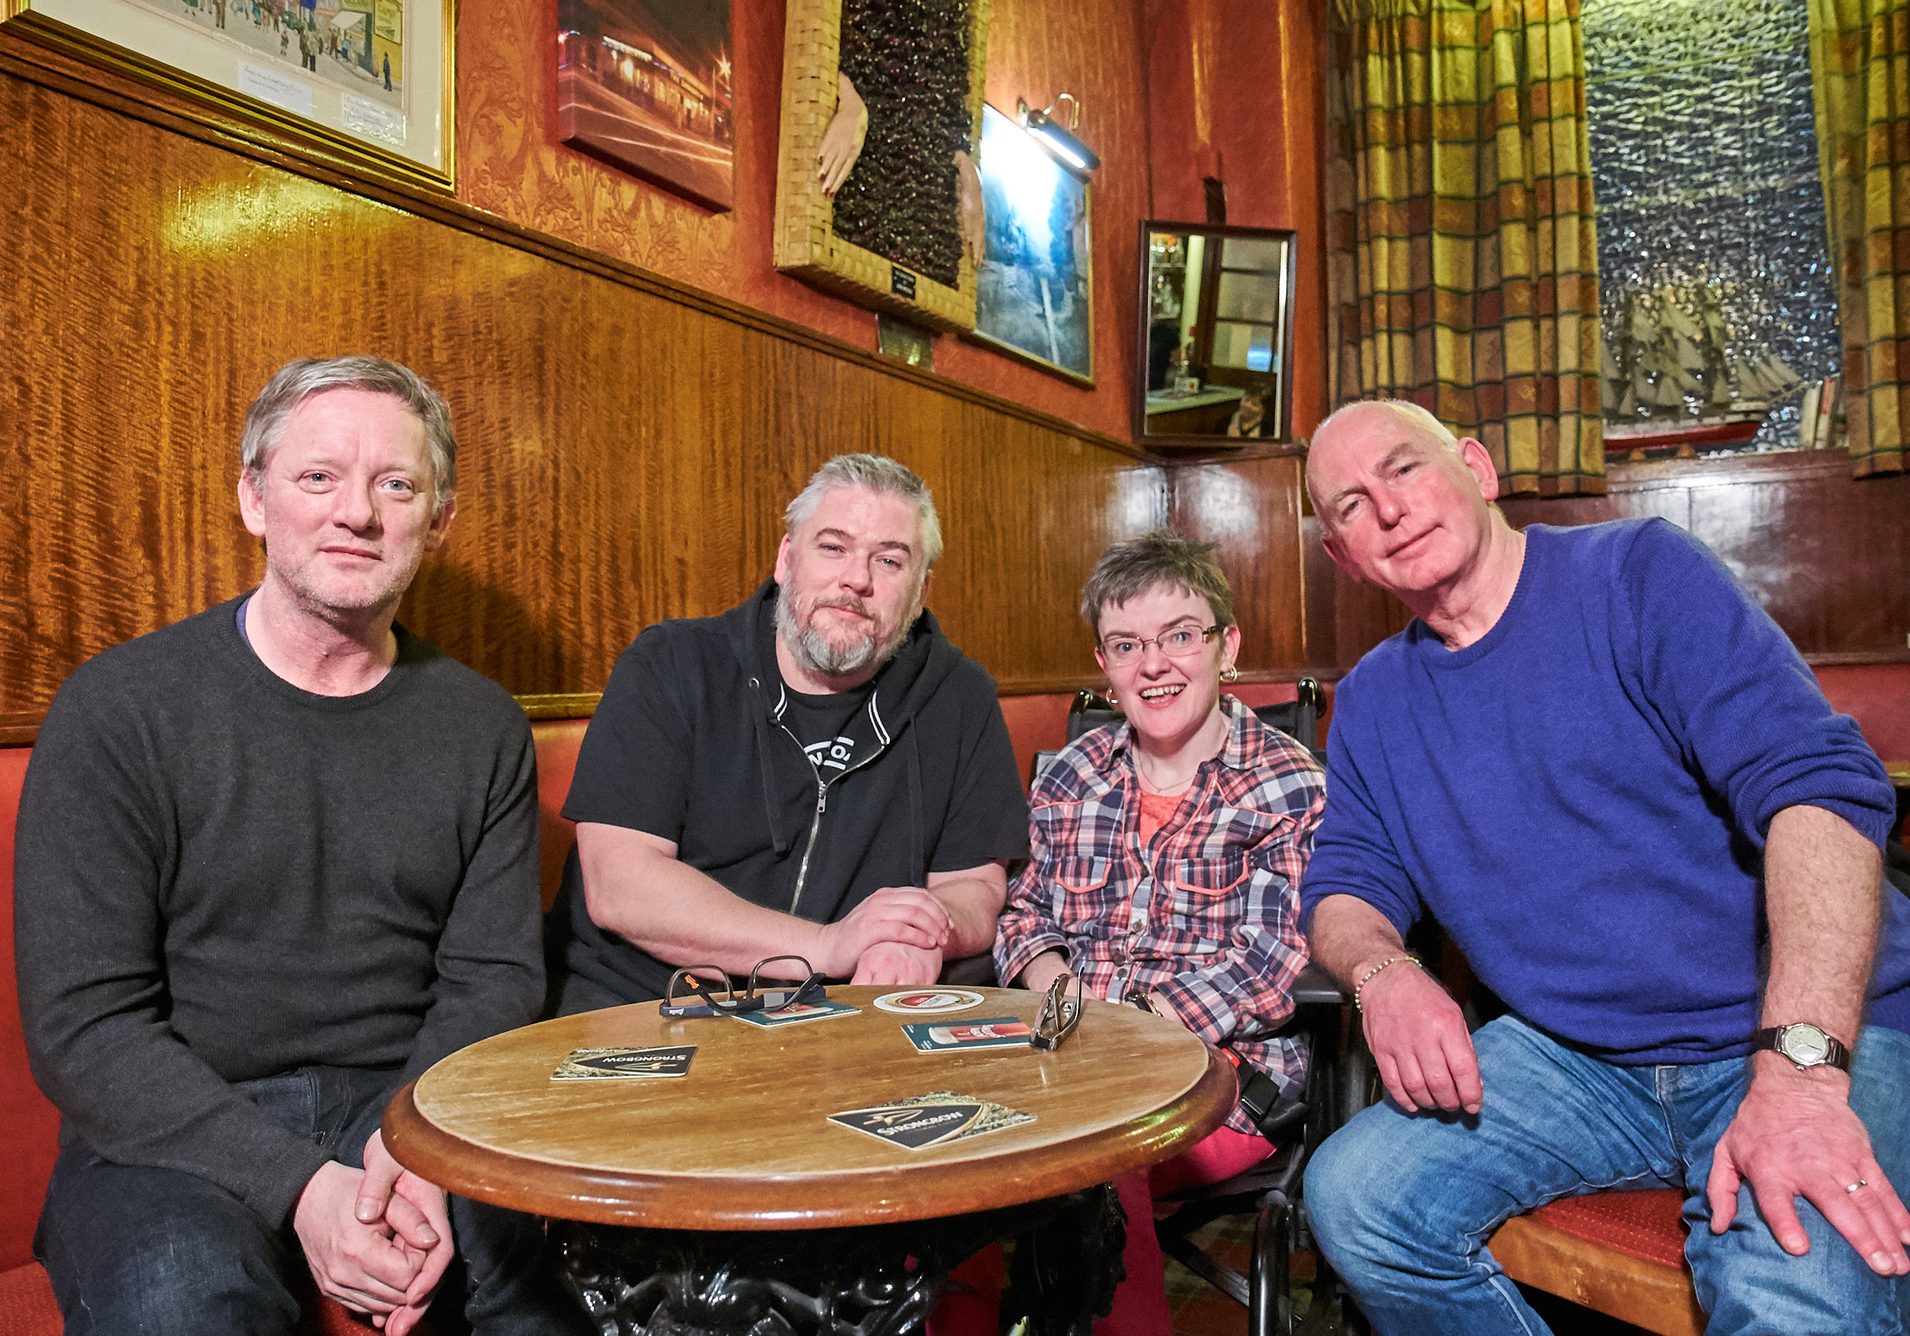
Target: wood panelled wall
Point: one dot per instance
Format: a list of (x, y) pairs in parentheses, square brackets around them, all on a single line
[(626, 447), (1828, 556), (511, 164), (1252, 510), (629, 443)]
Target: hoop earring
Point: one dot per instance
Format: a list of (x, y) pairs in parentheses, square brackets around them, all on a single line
[(1111, 698), (1230, 674)]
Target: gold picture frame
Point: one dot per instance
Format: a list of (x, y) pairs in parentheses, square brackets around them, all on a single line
[(805, 241), (347, 104)]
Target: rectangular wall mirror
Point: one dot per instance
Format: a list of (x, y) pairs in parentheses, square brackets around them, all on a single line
[(1216, 339)]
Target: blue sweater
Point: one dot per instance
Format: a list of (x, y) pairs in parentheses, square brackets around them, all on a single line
[(1580, 798)]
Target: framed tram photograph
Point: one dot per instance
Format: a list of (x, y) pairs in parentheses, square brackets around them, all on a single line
[(650, 88), (366, 84)]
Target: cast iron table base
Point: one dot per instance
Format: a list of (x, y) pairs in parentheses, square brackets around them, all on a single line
[(873, 1280)]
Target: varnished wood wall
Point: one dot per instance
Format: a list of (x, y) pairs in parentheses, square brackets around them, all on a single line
[(1252, 510), (626, 448), (1826, 555), (512, 164), (628, 443)]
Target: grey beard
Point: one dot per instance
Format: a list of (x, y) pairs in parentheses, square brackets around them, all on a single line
[(817, 654)]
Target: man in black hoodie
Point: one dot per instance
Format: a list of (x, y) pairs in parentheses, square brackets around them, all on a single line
[(817, 771)]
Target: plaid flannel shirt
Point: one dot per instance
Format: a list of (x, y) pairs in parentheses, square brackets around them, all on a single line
[(1207, 914)]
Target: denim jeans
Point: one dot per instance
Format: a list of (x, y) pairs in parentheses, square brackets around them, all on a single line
[(149, 1250), (1402, 1204)]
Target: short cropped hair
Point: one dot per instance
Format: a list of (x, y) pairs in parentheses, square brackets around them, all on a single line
[(1162, 558), (877, 473), (299, 380)]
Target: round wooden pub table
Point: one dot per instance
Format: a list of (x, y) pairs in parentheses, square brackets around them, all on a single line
[(725, 1200)]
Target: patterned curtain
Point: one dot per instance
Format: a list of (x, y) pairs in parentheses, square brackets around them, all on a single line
[(1464, 264), (1860, 68)]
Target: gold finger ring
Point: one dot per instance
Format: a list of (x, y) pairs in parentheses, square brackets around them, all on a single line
[(1854, 1186)]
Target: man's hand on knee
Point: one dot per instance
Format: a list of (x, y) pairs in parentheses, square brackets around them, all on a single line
[(359, 1264), (1796, 1136), (1419, 1041)]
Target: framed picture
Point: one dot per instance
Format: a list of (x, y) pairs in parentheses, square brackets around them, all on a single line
[(877, 196), (363, 83), (1213, 347), (650, 88), (1035, 293)]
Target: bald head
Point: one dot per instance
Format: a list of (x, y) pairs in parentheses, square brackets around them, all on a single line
[(1403, 504), (1403, 418)]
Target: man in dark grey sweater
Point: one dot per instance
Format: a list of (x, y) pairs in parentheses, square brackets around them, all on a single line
[(274, 861)]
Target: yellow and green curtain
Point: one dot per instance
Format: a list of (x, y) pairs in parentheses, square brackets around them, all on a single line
[(1464, 264), (1860, 69)]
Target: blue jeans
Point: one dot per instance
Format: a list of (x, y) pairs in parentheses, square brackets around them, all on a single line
[(155, 1251), (1402, 1204)]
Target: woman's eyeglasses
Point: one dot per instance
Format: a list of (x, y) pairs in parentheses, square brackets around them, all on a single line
[(1179, 642), (1059, 1014), (706, 990)]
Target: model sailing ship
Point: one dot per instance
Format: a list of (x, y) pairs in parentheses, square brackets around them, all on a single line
[(1678, 378)]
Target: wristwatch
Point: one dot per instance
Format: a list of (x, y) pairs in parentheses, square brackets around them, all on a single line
[(1804, 1044)]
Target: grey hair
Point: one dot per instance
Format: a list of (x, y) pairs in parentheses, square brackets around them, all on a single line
[(1160, 558), (299, 380), (877, 473)]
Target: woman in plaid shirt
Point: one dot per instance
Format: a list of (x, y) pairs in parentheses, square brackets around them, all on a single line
[(1166, 859)]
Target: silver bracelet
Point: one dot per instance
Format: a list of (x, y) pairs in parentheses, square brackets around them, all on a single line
[(1367, 977)]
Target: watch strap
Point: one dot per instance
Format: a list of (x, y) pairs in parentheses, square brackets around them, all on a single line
[(1835, 1053)]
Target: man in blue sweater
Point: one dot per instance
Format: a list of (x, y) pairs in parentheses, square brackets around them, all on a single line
[(1616, 786)]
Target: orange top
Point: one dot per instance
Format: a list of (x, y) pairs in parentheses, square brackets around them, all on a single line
[(1155, 809)]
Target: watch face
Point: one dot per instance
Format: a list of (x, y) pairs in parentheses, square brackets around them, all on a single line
[(1805, 1045)]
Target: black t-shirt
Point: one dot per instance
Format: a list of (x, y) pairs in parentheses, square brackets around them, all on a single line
[(821, 724)]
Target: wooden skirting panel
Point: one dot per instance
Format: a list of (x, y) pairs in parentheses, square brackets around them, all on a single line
[(625, 454)]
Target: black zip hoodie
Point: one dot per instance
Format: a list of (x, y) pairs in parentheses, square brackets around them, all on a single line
[(690, 744)]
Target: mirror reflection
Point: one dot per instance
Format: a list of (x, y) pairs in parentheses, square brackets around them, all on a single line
[(1216, 334)]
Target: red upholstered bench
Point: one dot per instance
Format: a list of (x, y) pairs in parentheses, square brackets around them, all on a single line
[(1617, 1253), (30, 1142)]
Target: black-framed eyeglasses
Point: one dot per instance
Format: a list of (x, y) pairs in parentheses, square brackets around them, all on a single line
[(1178, 642), (707, 990), (1060, 1014)]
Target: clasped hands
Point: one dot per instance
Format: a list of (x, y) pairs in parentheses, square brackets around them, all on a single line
[(1794, 1135), (896, 936), (376, 1239)]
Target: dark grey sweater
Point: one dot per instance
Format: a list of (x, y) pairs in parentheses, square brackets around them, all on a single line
[(220, 877)]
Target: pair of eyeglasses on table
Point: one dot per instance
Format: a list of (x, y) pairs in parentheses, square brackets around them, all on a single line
[(1059, 1014), (707, 990)]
